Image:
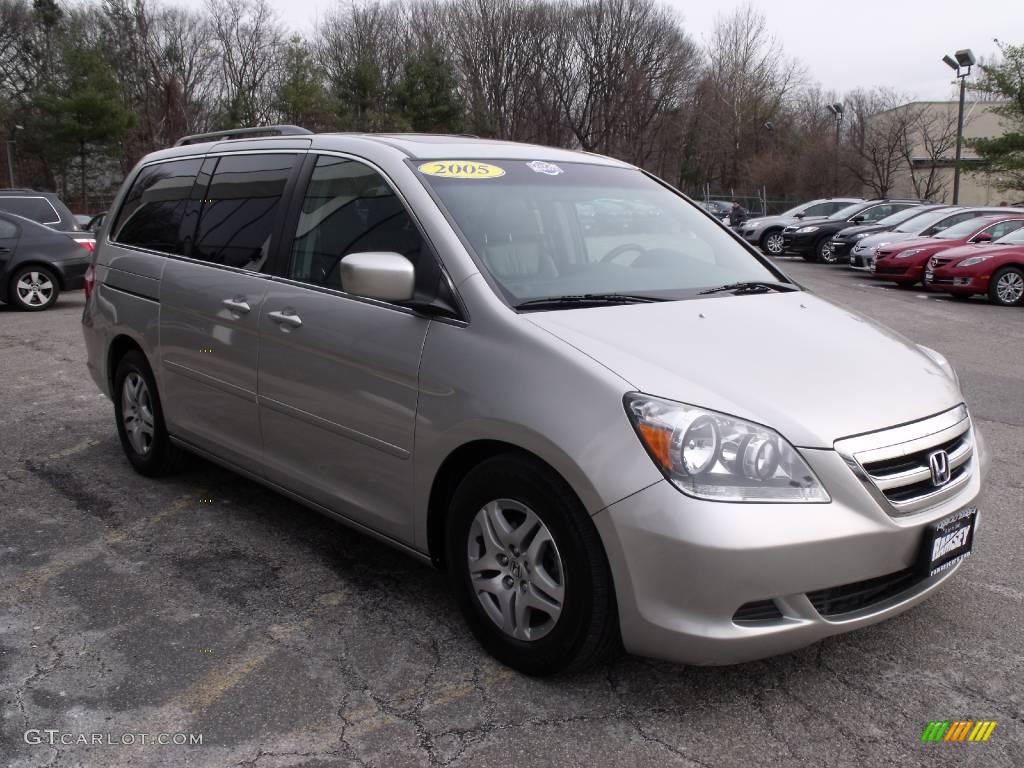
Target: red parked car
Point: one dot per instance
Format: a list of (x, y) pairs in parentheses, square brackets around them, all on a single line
[(996, 269), (904, 262)]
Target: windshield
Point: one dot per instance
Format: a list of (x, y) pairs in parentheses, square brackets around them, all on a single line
[(963, 229), (1014, 238), (899, 217), (541, 230), (919, 224), (844, 213)]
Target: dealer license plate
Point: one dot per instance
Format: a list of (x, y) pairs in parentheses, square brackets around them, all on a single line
[(948, 541)]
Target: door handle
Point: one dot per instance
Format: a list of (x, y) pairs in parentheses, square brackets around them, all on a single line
[(286, 317), (238, 304)]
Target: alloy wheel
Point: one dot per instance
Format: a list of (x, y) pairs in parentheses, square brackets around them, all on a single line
[(34, 289), (515, 569), (773, 244), (1010, 287), (137, 413), (827, 253)]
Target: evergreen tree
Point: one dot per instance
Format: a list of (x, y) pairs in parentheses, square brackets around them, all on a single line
[(82, 109), (1002, 157), (427, 96), (301, 96)]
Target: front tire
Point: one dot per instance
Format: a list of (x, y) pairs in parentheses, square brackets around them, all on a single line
[(140, 418), (34, 288), (825, 253), (528, 569), (1006, 287), (772, 243)]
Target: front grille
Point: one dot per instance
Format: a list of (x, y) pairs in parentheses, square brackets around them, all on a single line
[(895, 463), (941, 281), (758, 610), (889, 270), (937, 261), (847, 598)]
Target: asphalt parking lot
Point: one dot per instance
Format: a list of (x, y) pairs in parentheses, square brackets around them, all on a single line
[(205, 604)]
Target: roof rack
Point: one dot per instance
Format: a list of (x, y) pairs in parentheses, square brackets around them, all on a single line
[(239, 133)]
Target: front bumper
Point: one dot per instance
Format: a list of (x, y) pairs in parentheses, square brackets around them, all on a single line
[(956, 281), (842, 248), (862, 259), (683, 567), (800, 243), (894, 271), (751, 234)]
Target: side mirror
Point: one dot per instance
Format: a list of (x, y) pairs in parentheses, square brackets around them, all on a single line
[(799, 215), (857, 219), (378, 275), (982, 237)]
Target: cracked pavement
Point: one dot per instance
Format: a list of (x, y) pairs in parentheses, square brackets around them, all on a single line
[(206, 604)]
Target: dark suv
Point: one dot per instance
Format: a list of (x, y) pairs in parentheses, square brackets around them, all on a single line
[(813, 240), (43, 207)]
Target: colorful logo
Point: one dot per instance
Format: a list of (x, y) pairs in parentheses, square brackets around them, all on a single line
[(958, 730)]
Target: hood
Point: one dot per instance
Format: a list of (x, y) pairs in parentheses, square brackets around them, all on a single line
[(975, 249), (917, 242), (789, 361), (849, 232), (883, 238), (782, 221)]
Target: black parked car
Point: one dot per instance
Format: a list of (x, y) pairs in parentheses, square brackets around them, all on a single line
[(37, 263), (42, 207), (813, 240), (844, 240)]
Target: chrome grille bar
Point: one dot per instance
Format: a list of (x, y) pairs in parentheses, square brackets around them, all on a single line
[(894, 463)]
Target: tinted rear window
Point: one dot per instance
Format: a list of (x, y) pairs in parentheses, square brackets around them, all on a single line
[(240, 210), (152, 212), (35, 208)]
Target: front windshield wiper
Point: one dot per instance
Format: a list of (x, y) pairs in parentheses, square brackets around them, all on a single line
[(583, 299), (751, 286)]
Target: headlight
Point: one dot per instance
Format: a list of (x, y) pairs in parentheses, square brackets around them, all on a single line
[(972, 261), (942, 362), (709, 455), (859, 235), (805, 230), (908, 254)]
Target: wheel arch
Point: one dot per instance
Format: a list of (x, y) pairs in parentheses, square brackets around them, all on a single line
[(455, 466), (119, 346)]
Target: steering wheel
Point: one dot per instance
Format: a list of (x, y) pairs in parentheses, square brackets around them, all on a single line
[(617, 251)]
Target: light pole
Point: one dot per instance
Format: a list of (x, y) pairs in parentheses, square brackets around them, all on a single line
[(964, 61), (837, 110), (10, 157)]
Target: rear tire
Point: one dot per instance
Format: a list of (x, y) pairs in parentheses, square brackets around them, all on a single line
[(33, 288), (521, 549), (140, 418), (1006, 287)]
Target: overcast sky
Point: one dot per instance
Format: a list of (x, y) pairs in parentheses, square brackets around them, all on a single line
[(844, 45)]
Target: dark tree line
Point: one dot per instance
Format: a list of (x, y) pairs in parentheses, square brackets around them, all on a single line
[(95, 85)]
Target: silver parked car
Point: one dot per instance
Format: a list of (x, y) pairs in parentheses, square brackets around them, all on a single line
[(623, 435), (766, 231)]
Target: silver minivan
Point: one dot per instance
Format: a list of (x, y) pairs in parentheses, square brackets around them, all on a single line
[(611, 421)]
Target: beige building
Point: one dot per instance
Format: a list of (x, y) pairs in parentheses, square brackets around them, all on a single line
[(931, 147)]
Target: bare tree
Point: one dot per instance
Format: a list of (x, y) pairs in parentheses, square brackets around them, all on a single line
[(877, 137), (929, 143), (248, 44)]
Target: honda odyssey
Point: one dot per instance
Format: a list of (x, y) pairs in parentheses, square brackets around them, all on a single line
[(619, 435)]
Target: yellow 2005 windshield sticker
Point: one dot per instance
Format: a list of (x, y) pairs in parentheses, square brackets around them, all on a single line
[(461, 169)]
